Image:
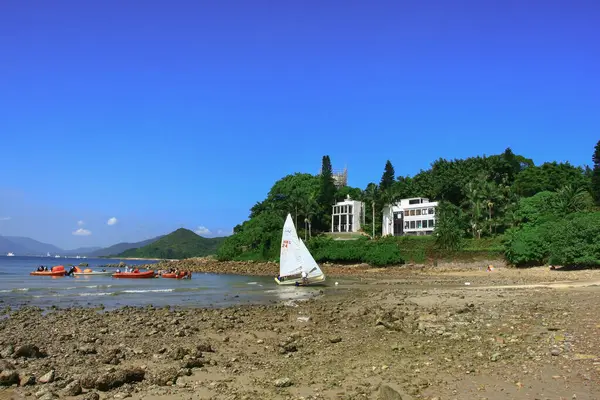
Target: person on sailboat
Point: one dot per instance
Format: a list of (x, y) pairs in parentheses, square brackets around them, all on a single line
[(304, 277)]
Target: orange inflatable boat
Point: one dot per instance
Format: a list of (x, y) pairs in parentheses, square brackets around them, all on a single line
[(57, 270), (134, 274), (182, 275)]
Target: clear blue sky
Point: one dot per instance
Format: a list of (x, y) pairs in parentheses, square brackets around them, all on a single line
[(184, 113)]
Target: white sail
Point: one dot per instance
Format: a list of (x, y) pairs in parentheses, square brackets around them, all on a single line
[(309, 265), (290, 259)]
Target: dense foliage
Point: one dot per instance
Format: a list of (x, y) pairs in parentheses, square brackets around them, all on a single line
[(556, 227), (181, 243), (480, 198)]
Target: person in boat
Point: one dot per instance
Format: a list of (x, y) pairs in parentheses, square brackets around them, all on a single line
[(46, 268), (40, 268), (304, 276), (136, 271)]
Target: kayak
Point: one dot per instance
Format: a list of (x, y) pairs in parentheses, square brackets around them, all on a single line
[(48, 273), (92, 273), (174, 276), (146, 274)]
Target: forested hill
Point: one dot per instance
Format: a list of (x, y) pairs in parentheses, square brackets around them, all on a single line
[(179, 244), (479, 197)]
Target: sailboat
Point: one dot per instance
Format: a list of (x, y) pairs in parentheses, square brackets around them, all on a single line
[(295, 259)]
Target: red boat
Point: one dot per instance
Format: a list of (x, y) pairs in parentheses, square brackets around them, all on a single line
[(182, 275), (57, 270), (134, 274)]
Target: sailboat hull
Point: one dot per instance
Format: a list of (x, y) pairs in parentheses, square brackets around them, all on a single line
[(298, 281)]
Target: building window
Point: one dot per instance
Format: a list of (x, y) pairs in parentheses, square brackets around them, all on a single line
[(414, 201), (412, 224), (349, 209), (431, 211), (406, 225), (419, 224), (418, 211), (431, 223)]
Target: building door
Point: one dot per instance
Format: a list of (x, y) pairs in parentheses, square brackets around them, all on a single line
[(398, 224)]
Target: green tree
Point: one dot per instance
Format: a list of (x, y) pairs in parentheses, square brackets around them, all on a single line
[(448, 233), (327, 191), (354, 193), (388, 177), (549, 177), (596, 174)]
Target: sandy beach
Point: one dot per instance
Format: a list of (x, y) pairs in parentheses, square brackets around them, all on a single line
[(412, 332)]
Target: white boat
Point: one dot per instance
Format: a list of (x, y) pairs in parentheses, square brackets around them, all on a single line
[(57, 256), (48, 254), (94, 273), (9, 254), (295, 259)]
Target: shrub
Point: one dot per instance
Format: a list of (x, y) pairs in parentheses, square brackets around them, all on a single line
[(576, 240), (378, 252), (528, 245)]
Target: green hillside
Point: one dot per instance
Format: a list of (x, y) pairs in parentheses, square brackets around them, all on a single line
[(181, 243)]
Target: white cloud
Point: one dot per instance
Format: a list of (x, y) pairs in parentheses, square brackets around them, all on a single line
[(80, 223), (82, 232), (112, 221), (4, 218), (221, 232), (202, 230)]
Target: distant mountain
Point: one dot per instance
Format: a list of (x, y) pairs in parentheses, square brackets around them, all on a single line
[(7, 245), (24, 246), (181, 243), (81, 251), (121, 247), (31, 247)]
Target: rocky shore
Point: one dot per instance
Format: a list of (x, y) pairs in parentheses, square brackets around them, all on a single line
[(371, 339)]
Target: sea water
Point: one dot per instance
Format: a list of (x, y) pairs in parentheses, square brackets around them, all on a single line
[(18, 288)]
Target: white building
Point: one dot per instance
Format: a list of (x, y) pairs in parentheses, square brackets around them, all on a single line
[(347, 216), (415, 216)]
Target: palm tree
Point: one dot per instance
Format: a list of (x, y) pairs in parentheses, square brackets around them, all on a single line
[(474, 205), (509, 204), (569, 200), (294, 203), (390, 196), (308, 207), (372, 194)]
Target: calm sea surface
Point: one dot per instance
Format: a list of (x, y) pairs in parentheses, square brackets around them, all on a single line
[(18, 288)]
